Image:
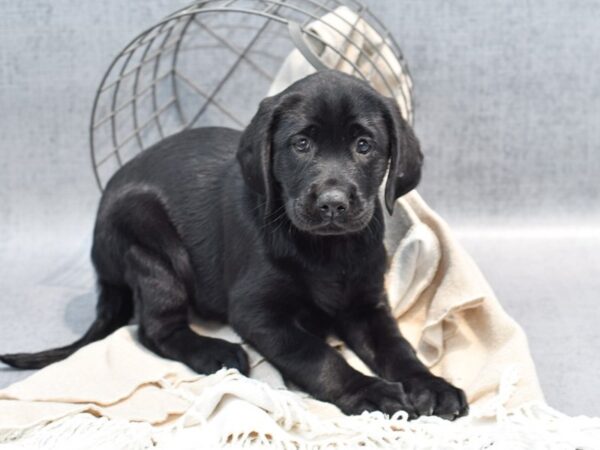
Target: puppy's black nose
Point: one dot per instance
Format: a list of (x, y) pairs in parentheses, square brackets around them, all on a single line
[(333, 203)]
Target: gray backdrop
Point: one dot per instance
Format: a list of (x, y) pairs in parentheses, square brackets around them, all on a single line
[(508, 112)]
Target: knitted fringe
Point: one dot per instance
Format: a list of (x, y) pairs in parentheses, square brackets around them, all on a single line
[(293, 426)]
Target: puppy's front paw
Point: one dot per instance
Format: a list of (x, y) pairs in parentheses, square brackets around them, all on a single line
[(433, 395), (217, 354), (375, 394)]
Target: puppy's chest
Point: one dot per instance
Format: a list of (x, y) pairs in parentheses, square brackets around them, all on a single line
[(335, 291)]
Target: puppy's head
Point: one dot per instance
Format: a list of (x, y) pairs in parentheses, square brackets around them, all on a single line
[(322, 148)]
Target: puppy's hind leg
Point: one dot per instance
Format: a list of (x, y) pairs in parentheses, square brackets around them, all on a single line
[(162, 299)]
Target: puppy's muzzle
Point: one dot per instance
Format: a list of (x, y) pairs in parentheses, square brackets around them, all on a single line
[(333, 204), (331, 207)]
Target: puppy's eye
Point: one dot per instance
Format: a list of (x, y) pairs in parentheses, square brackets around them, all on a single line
[(301, 144), (363, 146)]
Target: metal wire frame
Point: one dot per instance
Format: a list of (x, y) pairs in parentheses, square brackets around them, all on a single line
[(174, 28)]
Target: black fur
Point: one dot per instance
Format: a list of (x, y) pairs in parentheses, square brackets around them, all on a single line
[(279, 232)]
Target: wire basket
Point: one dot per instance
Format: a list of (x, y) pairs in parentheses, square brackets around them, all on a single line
[(210, 64)]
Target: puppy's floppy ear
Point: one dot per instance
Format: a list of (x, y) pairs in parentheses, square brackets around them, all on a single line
[(254, 151), (406, 158)]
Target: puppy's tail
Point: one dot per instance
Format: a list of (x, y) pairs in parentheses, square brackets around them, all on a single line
[(114, 310)]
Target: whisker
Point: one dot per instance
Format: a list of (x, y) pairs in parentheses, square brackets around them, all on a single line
[(259, 206), (279, 216)]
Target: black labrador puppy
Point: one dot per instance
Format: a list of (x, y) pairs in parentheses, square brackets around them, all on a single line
[(278, 231)]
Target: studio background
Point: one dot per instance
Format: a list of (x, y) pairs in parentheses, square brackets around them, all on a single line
[(507, 101)]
